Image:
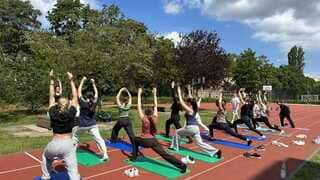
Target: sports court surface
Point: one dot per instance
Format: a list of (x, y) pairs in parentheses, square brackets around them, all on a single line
[(26, 165)]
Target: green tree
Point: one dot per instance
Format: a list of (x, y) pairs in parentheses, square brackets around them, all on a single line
[(199, 55), (296, 59), (16, 17)]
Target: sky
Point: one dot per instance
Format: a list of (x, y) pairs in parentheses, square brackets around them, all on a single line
[(269, 27)]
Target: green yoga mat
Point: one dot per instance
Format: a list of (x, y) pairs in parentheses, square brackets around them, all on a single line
[(196, 155), (87, 158), (161, 168), (169, 139)]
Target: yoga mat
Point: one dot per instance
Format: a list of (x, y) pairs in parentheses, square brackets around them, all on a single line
[(169, 139), (227, 143), (196, 155), (256, 138), (87, 158), (63, 175), (122, 145), (161, 168)]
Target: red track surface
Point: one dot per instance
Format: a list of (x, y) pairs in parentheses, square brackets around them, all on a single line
[(234, 166)]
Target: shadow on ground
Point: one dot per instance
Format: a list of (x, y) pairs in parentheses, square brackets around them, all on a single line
[(310, 170)]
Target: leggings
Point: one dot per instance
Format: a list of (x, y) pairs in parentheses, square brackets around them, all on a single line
[(123, 122), (266, 121), (225, 127), (286, 115), (174, 119), (247, 121), (155, 146)]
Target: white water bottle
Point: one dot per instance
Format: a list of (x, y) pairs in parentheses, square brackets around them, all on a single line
[(283, 170)]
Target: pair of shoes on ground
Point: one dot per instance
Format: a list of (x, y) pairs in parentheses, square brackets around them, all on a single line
[(261, 148), (301, 136), (299, 142), (132, 172), (279, 144), (252, 155)]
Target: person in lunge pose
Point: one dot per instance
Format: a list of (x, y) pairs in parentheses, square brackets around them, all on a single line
[(191, 127), (87, 118), (62, 121), (285, 113), (219, 122), (246, 115), (124, 120), (261, 114), (175, 109), (149, 119)]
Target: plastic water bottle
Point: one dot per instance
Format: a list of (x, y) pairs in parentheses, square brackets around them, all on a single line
[(283, 170)]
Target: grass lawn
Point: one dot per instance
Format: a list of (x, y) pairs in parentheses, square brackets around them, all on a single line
[(311, 170), (20, 144)]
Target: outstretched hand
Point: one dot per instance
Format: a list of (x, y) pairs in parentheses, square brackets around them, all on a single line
[(51, 73), (70, 76), (172, 84), (154, 91)]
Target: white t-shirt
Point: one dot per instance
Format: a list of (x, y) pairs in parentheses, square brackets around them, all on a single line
[(235, 102)]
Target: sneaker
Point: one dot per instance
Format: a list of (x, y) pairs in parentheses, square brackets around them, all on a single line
[(263, 137), (219, 154), (261, 148), (316, 140), (301, 136), (135, 171), (249, 142), (132, 172), (183, 169), (252, 155), (104, 158), (188, 160), (282, 132), (299, 143)]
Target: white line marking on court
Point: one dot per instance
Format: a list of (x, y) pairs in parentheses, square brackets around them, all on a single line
[(240, 155), (19, 169), (32, 157)]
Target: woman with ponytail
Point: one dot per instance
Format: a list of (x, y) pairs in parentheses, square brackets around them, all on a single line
[(147, 140)]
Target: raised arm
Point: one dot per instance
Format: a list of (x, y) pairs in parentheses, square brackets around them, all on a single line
[(259, 98), (74, 101), (189, 91), (51, 90), (130, 97), (200, 98), (265, 97), (240, 96), (155, 102), (118, 96), (96, 94), (220, 101), (183, 104), (60, 87), (141, 114), (173, 94), (81, 86)]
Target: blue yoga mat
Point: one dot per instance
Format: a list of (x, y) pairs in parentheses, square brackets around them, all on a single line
[(63, 175), (227, 143), (122, 145), (256, 138)]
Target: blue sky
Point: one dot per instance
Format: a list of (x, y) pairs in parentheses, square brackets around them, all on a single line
[(268, 27)]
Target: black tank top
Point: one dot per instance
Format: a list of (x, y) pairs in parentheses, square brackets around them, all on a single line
[(62, 122)]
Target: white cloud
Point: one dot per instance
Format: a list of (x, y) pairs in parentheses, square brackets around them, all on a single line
[(46, 5), (285, 22), (177, 6), (172, 7), (314, 76), (173, 36)]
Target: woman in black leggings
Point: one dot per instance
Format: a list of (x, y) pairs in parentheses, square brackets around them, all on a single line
[(246, 116), (175, 109), (219, 122), (261, 114)]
